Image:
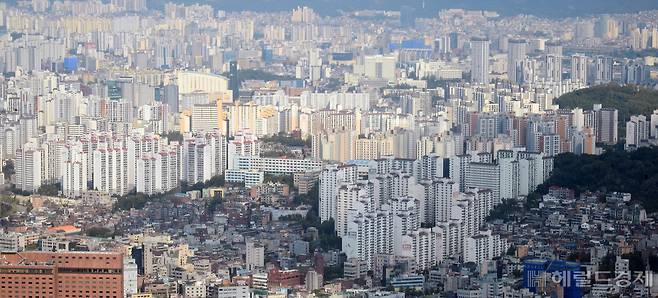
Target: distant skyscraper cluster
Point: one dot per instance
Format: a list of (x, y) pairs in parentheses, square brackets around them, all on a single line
[(211, 151)]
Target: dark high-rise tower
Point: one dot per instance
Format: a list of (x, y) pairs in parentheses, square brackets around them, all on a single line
[(234, 81), (480, 60)]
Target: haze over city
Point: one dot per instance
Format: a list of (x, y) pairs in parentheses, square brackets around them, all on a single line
[(245, 149)]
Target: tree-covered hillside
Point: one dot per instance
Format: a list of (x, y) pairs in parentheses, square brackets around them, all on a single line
[(629, 100), (634, 172)]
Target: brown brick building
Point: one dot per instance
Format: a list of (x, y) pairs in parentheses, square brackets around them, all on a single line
[(61, 274)]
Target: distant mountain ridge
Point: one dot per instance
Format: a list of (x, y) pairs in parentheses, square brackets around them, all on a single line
[(429, 8)]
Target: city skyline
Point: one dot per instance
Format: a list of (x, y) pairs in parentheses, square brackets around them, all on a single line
[(223, 149)]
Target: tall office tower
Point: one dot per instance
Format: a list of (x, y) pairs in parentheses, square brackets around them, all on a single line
[(234, 81), (579, 68), (554, 48), (28, 168), (61, 274), (637, 131), (515, 56), (584, 30), (170, 97), (602, 69), (553, 68), (480, 60), (331, 178), (606, 125), (653, 129)]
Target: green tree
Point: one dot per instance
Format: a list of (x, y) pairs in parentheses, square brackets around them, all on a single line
[(130, 201), (51, 189), (628, 100), (8, 168), (173, 136), (99, 232), (634, 172)]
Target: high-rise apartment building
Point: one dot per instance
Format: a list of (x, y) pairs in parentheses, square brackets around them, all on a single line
[(480, 60), (637, 131), (330, 179), (515, 56), (579, 68), (606, 125), (28, 168), (111, 168), (243, 144)]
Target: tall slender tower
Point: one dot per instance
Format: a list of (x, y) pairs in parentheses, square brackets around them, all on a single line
[(515, 56), (480, 60), (234, 82), (553, 61), (579, 68)]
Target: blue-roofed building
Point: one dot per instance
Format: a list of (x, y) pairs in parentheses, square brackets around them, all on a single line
[(358, 162), (409, 44), (342, 56), (414, 44), (416, 282), (544, 276), (71, 64)]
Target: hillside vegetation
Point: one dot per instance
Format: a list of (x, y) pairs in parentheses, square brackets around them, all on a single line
[(629, 100), (634, 172)]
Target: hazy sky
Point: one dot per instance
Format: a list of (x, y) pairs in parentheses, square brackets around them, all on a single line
[(547, 8)]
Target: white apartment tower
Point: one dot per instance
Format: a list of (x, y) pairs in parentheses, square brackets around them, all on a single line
[(111, 168), (369, 234), (74, 169), (579, 68), (28, 168), (330, 179), (244, 144)]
